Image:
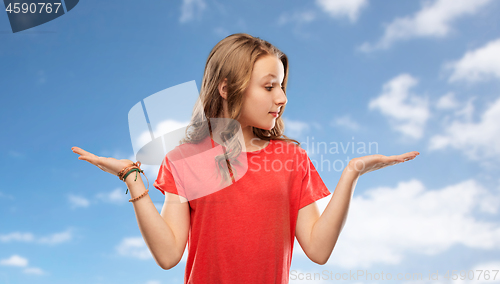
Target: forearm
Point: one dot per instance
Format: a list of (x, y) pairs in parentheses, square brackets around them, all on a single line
[(157, 234), (327, 228)]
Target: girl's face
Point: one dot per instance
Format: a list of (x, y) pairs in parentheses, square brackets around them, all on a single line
[(264, 94)]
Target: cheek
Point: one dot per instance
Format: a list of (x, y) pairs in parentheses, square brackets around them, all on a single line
[(260, 106), (254, 104)]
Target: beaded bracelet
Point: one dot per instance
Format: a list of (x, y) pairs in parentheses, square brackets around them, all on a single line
[(135, 167), (126, 169), (140, 196)]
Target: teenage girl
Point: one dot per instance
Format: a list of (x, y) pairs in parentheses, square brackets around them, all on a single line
[(242, 232)]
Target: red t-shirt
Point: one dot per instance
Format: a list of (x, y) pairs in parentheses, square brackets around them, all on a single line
[(244, 232)]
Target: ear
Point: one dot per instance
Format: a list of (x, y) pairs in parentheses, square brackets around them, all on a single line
[(223, 88)]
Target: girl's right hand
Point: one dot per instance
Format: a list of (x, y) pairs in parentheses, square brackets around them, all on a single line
[(110, 165)]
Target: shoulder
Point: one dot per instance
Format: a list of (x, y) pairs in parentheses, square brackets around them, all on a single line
[(286, 147), (188, 149)]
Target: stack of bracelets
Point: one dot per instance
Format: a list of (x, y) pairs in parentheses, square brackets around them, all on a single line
[(135, 167)]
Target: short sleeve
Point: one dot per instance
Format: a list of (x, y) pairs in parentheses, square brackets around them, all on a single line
[(313, 188), (165, 182)]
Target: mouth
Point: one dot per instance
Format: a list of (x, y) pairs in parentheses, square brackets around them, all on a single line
[(275, 114)]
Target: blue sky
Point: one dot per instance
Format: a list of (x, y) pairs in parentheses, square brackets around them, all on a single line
[(404, 75)]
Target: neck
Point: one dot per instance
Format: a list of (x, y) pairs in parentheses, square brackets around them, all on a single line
[(251, 141)]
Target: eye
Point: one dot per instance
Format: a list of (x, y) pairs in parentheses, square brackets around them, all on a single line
[(269, 88)]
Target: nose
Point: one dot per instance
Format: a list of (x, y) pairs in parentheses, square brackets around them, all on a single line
[(280, 98)]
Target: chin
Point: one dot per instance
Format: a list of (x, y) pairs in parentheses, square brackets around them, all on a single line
[(265, 127), (268, 125)]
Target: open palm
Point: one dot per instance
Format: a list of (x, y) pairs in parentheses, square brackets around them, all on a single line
[(110, 165), (371, 163)]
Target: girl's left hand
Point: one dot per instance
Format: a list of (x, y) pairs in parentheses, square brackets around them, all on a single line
[(371, 163)]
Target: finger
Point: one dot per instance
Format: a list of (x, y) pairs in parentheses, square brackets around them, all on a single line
[(91, 160), (80, 151), (86, 156), (410, 155), (395, 159)]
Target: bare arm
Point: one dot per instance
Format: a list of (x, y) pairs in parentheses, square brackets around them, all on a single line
[(165, 234), (317, 235)]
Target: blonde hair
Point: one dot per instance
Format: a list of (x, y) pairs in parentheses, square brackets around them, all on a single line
[(232, 58)]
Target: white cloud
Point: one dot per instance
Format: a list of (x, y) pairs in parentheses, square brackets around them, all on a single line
[(134, 247), (34, 270), (19, 261), (116, 196), (78, 201), (191, 9), (477, 65), (185, 254), (16, 236), (162, 128), (467, 110), (15, 260), (477, 140), (298, 276), (484, 267), (423, 281), (385, 224), (342, 8), (448, 101), (345, 121), (407, 113), (295, 128), (434, 19), (55, 238)]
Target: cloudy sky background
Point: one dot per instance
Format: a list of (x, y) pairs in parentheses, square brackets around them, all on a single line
[(399, 76)]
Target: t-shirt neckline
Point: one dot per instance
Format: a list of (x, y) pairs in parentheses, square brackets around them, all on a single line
[(248, 152)]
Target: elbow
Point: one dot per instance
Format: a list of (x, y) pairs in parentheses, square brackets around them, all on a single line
[(168, 259), (167, 267), (167, 264), (320, 258), (320, 261)]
